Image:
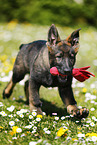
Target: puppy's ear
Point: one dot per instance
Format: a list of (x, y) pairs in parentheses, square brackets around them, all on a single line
[(74, 37), (53, 36)]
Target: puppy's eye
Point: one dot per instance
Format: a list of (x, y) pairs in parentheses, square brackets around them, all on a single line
[(59, 55), (72, 55)]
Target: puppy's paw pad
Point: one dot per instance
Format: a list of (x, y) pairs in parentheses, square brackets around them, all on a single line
[(81, 113)]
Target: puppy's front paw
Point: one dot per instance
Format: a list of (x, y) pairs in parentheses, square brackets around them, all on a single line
[(76, 112), (81, 113), (37, 109)]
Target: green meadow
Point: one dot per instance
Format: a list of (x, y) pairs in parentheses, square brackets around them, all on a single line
[(20, 126)]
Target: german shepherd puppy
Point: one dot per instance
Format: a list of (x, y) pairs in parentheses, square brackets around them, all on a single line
[(36, 59)]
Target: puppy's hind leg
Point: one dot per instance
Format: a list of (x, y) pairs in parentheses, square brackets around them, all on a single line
[(8, 89), (26, 90)]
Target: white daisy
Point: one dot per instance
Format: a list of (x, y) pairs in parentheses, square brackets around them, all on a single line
[(16, 119), (3, 113), (10, 115), (11, 108), (63, 117), (56, 118), (92, 124), (23, 111), (21, 115), (28, 126), (18, 130), (11, 123), (94, 138), (38, 119), (92, 109), (81, 135), (47, 131), (14, 138), (30, 116), (1, 104), (34, 113)]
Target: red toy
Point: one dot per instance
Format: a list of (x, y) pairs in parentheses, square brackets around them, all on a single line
[(78, 73)]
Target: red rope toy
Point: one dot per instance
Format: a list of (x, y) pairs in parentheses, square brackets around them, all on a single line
[(78, 73)]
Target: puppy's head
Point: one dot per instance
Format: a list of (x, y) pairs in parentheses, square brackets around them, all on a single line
[(62, 53)]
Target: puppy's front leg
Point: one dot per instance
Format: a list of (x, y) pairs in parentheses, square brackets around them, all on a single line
[(34, 101), (66, 94)]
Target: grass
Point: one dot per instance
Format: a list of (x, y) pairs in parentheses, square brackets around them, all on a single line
[(56, 127)]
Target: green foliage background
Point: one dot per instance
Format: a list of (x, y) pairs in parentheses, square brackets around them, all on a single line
[(46, 12)]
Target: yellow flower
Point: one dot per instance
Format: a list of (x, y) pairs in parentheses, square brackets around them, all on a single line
[(84, 90), (14, 128), (91, 134), (61, 131), (79, 128), (13, 60), (12, 24), (1, 127), (74, 139), (39, 116), (94, 91), (3, 57)]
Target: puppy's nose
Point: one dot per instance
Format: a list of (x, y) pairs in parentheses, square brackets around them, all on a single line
[(67, 71)]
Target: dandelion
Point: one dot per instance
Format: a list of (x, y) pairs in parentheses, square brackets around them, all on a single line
[(34, 113), (74, 139), (61, 132), (39, 116), (91, 134), (1, 127), (18, 130), (84, 90), (14, 128), (11, 123)]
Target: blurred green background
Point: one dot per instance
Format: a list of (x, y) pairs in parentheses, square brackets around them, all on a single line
[(46, 12)]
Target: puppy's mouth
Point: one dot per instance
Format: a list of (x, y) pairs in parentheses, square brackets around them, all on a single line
[(62, 78)]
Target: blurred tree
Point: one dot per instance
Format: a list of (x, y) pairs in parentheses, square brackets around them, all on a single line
[(46, 12)]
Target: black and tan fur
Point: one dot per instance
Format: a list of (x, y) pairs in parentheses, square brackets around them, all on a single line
[(37, 58)]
